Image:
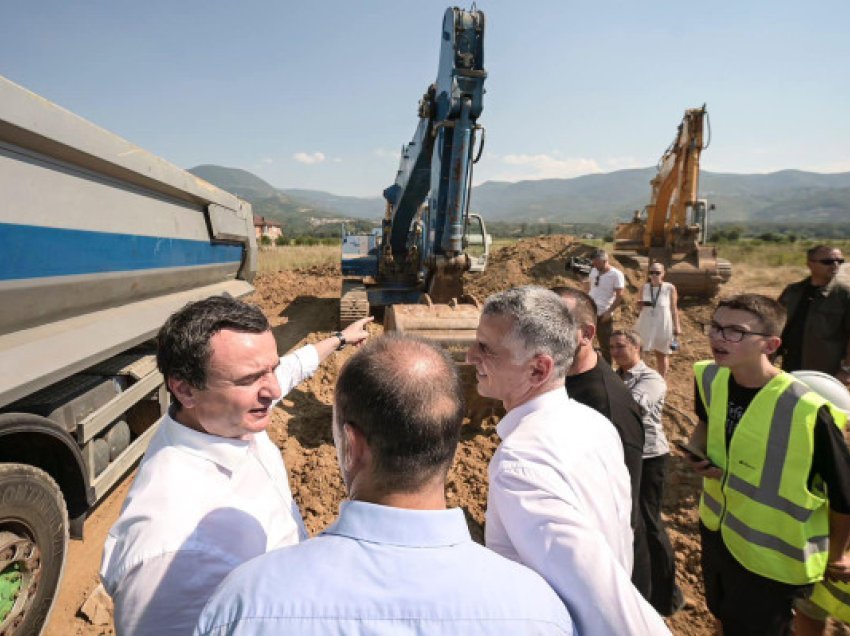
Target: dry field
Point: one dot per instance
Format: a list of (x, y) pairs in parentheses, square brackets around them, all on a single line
[(302, 306)]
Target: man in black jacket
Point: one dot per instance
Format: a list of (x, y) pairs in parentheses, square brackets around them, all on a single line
[(817, 334)]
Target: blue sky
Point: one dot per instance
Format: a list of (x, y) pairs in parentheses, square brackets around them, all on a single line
[(322, 95)]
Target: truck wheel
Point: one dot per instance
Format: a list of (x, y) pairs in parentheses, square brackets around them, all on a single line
[(33, 544)]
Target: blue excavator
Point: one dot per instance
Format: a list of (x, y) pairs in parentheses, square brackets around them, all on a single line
[(413, 265)]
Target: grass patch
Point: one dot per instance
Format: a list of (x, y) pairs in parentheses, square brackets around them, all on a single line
[(276, 259), (768, 254)]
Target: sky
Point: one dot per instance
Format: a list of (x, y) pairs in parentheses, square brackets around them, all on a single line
[(322, 95)]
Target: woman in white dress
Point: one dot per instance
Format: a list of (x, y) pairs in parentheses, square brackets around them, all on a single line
[(658, 323)]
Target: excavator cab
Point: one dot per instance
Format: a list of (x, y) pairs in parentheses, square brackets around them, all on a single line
[(477, 243)]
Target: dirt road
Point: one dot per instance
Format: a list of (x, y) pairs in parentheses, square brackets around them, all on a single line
[(302, 307)]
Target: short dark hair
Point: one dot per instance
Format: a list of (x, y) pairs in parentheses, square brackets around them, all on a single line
[(183, 343), (770, 313), (585, 309), (599, 254), (404, 395), (820, 247)]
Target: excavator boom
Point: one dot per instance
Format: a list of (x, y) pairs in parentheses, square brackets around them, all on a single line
[(421, 252), (671, 227)]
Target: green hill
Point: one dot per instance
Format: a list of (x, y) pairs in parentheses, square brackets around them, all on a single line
[(788, 196)]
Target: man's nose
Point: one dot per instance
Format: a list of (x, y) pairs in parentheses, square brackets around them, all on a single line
[(472, 353), (270, 387)]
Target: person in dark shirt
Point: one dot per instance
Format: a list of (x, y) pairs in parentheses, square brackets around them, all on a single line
[(817, 334), (753, 589), (592, 382)]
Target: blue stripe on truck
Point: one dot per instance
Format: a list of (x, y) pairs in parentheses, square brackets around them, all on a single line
[(28, 251)]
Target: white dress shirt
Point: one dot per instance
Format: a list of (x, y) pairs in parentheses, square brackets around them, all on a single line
[(199, 506), (560, 502)]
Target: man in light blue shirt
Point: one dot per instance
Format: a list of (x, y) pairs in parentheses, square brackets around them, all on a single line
[(396, 561)]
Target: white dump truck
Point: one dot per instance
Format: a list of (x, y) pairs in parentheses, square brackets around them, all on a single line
[(99, 242)]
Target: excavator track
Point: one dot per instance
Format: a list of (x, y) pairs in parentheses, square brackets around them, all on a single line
[(353, 303)]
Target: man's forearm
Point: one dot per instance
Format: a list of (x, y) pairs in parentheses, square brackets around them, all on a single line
[(839, 535)]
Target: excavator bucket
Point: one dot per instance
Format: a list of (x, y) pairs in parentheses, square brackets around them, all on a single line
[(451, 324)]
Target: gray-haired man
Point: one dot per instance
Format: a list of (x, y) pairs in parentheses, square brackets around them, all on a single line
[(559, 499)]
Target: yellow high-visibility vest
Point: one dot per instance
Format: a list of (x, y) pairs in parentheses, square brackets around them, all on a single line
[(770, 520)]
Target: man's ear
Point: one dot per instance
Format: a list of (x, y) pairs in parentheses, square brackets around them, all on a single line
[(586, 334), (183, 391), (357, 451), (542, 366)]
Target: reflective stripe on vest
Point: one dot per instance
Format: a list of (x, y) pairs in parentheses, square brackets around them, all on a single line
[(747, 533), (834, 598)]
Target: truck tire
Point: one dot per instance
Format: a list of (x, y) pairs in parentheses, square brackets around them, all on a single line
[(33, 545)]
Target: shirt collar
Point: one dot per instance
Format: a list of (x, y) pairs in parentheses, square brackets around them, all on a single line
[(635, 371), (227, 453), (399, 526), (556, 398)]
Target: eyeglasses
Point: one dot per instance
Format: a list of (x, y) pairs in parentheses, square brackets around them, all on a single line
[(655, 273), (830, 261), (730, 333)]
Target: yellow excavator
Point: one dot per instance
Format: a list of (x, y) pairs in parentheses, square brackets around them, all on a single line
[(672, 227)]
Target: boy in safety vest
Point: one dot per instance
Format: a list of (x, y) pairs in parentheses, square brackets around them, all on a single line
[(775, 507)]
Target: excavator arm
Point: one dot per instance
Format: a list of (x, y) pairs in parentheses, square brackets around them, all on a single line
[(436, 165), (415, 270), (671, 229), (675, 187)]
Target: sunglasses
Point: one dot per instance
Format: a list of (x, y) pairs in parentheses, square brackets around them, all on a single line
[(655, 273), (830, 261)]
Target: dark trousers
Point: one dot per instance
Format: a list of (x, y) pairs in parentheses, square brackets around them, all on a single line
[(642, 564), (664, 595), (746, 604), (603, 335)]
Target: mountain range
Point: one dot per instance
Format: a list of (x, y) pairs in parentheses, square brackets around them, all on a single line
[(787, 196)]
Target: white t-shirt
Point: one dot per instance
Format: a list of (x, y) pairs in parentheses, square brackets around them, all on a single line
[(603, 287)]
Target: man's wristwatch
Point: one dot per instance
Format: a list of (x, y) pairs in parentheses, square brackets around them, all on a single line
[(342, 341)]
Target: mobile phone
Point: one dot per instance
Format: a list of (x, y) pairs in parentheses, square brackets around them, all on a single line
[(694, 452)]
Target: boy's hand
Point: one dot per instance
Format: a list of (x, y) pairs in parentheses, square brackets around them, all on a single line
[(703, 467)]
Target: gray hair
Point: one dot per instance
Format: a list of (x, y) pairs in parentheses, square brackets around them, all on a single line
[(599, 254), (541, 323)]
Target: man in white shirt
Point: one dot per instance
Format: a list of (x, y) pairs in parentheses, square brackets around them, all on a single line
[(559, 499), (396, 561), (605, 285), (212, 490)]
